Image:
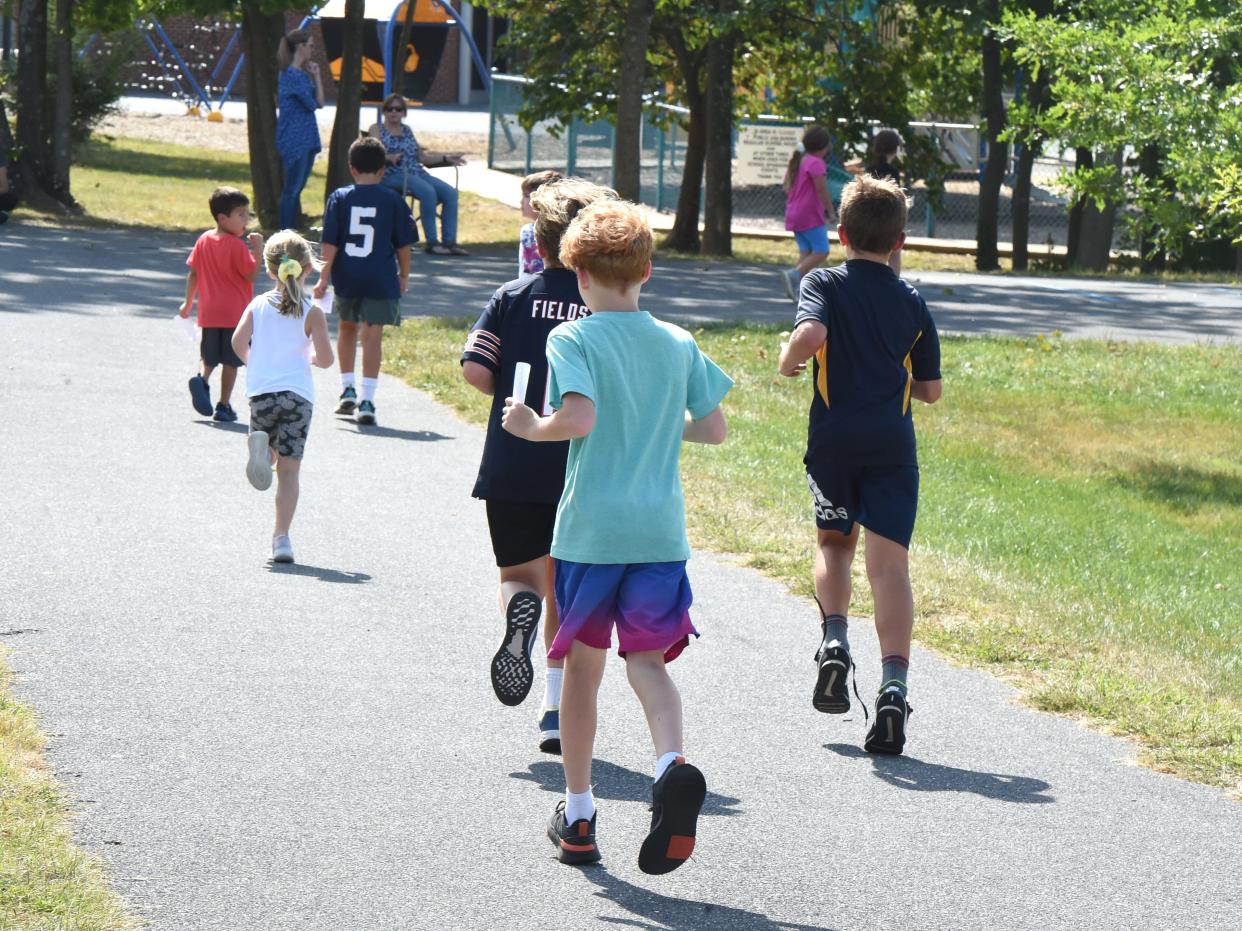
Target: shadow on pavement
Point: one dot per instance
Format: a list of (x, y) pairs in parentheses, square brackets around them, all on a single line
[(318, 572), (906, 772), (418, 436), (221, 425), (617, 783), (664, 913)]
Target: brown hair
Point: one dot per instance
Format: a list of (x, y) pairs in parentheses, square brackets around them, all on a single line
[(533, 182), (224, 200), (873, 213), (288, 42), (556, 204), (405, 105), (813, 139), (287, 244), (612, 240), (367, 155)]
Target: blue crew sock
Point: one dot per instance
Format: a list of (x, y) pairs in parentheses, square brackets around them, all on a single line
[(894, 671)]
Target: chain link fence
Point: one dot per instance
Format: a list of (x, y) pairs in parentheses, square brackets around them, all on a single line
[(761, 149)]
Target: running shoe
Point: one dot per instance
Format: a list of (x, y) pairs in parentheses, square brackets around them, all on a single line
[(512, 672), (282, 549), (888, 731), (550, 730), (366, 414), (349, 400), (259, 465), (831, 694), (575, 843), (200, 395), (676, 799), (792, 280), (224, 413)]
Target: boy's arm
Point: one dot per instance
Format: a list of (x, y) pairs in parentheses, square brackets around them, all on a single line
[(805, 342), (328, 251), (711, 429), (241, 336), (317, 330), (575, 418), (926, 391), (479, 376), (403, 268), (191, 286)]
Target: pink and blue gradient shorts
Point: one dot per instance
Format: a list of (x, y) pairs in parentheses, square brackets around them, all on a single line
[(648, 603)]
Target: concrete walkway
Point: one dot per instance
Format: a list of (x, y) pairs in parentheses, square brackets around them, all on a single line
[(317, 747)]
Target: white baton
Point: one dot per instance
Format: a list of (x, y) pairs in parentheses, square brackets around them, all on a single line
[(521, 377)]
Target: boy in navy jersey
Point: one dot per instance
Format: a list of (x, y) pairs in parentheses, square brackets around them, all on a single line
[(521, 481), (874, 347), (367, 233)]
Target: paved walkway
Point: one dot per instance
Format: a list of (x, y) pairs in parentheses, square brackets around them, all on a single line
[(318, 748)]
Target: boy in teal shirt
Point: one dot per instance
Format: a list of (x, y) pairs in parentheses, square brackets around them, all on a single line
[(619, 544)]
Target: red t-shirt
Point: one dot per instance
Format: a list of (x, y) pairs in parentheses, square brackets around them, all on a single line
[(224, 265)]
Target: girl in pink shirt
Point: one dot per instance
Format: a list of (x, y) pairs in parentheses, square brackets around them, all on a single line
[(806, 187)]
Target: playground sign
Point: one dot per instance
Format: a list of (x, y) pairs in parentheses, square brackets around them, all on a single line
[(763, 152)]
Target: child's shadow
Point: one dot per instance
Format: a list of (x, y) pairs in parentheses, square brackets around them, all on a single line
[(617, 783), (657, 912), (419, 436), (323, 575), (906, 772), (225, 425)]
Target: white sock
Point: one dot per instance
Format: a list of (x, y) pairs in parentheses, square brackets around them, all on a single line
[(368, 388), (552, 688), (347, 379), (664, 762), (579, 806)]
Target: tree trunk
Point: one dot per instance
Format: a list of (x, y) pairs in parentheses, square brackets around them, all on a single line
[(1096, 238), (987, 257), (32, 135), (1027, 153), (1151, 256), (627, 148), (348, 97), (684, 236), (62, 114), (1083, 161), (718, 162), (261, 34)]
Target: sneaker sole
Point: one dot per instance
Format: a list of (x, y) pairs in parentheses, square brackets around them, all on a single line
[(200, 396), (831, 695), (512, 672), (366, 420), (346, 407), (284, 558), (549, 743), (672, 838), (259, 469), (573, 854), (888, 735)]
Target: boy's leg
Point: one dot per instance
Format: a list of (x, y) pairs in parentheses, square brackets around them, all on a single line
[(888, 570), (520, 593), (584, 670), (346, 348), (834, 556), (554, 671), (228, 378), (372, 350), (649, 678)]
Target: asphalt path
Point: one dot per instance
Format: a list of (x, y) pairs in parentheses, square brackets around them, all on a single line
[(317, 747)]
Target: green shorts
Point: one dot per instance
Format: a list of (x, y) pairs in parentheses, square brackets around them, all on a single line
[(375, 310)]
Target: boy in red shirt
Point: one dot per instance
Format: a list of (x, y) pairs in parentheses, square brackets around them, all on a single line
[(222, 274)]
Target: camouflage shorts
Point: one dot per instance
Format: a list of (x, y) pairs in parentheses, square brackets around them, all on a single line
[(285, 417)]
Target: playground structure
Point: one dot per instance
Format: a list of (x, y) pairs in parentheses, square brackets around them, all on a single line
[(385, 21)]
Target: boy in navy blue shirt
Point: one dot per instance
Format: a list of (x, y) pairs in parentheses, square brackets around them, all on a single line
[(367, 233), (874, 347), (521, 481)]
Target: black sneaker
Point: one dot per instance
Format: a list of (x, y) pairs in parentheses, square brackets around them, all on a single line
[(831, 694), (224, 413), (349, 400), (575, 843), (888, 731), (366, 414), (550, 730), (200, 395), (512, 672), (676, 800)]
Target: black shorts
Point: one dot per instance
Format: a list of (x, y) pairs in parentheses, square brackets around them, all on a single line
[(521, 531), (217, 347), (883, 498)]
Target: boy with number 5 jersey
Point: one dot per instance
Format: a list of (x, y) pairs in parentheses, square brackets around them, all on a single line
[(367, 234)]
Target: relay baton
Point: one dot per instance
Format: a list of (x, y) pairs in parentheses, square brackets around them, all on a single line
[(521, 376)]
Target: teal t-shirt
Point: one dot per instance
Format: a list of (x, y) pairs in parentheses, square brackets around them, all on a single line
[(622, 501)]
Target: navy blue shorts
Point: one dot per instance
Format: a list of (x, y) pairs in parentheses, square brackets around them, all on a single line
[(884, 499)]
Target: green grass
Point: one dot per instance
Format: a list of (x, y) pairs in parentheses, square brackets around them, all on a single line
[(46, 884), (1079, 528)]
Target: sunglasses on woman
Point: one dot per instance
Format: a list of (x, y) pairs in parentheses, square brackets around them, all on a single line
[(394, 109)]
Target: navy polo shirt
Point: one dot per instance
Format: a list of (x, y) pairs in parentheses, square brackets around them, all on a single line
[(367, 223), (880, 334), (514, 328)]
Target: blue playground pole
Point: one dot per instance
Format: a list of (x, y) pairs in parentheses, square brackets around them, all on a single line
[(185, 69), (159, 58), (474, 49), (228, 49)]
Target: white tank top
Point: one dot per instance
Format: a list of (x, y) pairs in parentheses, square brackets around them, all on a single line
[(280, 350)]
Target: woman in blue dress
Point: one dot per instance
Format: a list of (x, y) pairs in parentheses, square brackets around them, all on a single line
[(299, 95), (407, 174)]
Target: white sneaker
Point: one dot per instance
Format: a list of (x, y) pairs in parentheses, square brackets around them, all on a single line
[(792, 281), (259, 467), (282, 549)]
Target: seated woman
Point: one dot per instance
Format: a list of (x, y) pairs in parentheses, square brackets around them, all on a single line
[(407, 174)]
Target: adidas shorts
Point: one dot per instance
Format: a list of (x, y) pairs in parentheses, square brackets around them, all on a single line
[(882, 498)]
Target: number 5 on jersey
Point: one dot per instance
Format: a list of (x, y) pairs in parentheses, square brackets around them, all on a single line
[(358, 227)]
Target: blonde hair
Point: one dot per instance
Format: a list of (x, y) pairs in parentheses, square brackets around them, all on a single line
[(556, 203), (288, 42), (533, 182), (873, 213), (284, 250), (612, 240)]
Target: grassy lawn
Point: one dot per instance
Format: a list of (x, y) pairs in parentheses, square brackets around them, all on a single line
[(1080, 520), (45, 883)]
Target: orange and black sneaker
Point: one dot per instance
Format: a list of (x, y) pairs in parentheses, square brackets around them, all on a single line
[(575, 843), (676, 799)]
